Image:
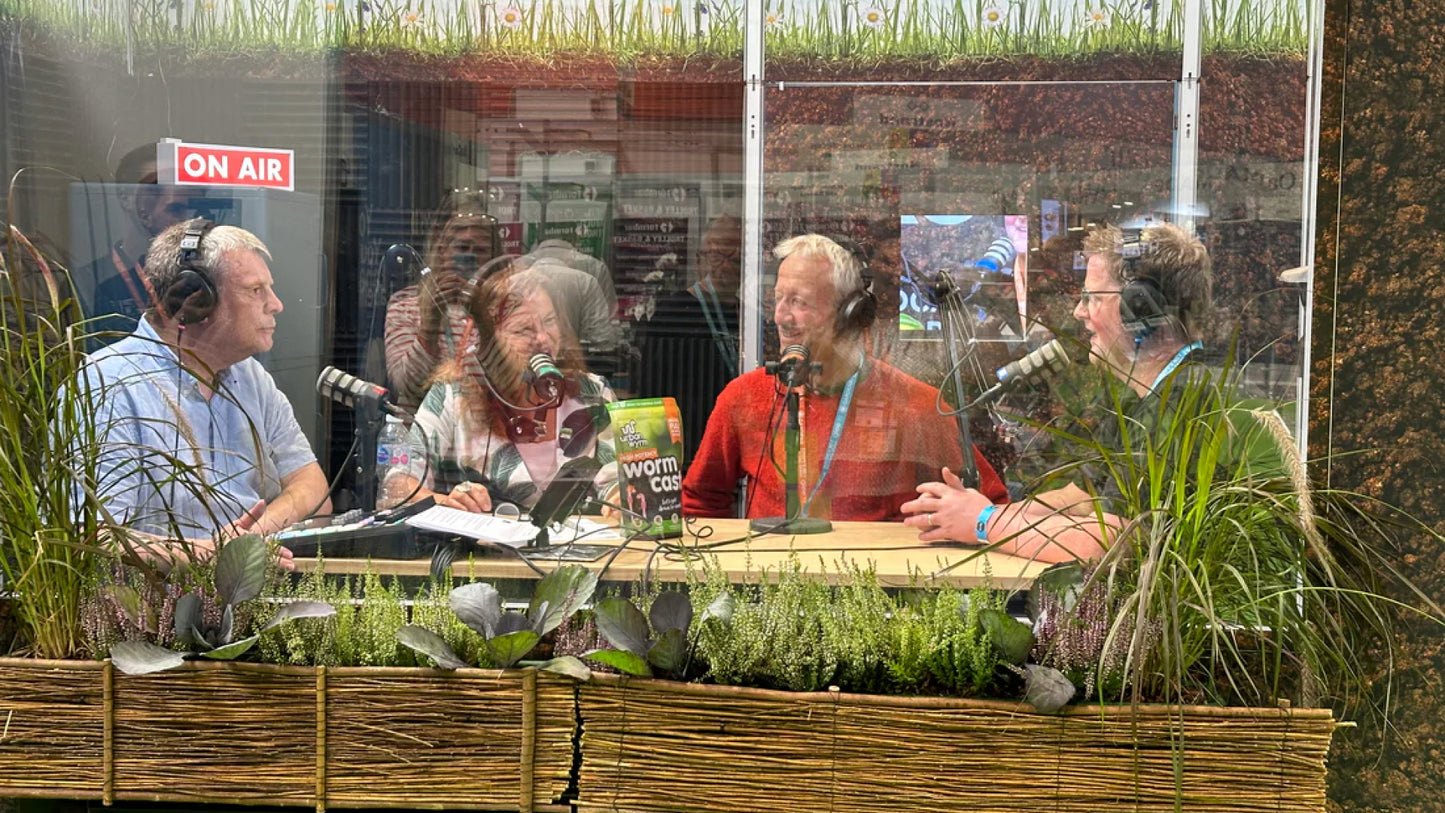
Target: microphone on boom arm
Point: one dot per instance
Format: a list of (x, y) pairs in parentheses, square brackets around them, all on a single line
[(544, 376), (348, 390), (1051, 358)]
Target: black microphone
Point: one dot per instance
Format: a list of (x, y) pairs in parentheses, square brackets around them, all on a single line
[(402, 257), (543, 375), (1051, 358), (348, 390)]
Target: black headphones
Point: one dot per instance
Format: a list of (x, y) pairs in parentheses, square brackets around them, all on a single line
[(1143, 305), (191, 297), (858, 308)]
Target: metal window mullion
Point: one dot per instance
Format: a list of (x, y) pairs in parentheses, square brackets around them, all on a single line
[(1309, 198), (1186, 118), (752, 287)]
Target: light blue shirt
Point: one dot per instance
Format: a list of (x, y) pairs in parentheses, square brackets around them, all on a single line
[(175, 462)]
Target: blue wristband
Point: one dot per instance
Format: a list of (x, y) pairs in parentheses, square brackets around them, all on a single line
[(980, 526)]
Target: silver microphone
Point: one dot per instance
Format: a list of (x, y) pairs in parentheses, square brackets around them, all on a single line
[(1051, 358), (348, 390), (793, 366), (544, 375)]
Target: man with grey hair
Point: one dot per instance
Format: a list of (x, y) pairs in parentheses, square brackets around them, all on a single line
[(868, 431), (197, 442)]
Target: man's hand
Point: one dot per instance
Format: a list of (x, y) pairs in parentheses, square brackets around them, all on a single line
[(945, 510), (206, 548)]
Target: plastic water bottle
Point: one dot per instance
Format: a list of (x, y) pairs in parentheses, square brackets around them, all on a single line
[(393, 456)]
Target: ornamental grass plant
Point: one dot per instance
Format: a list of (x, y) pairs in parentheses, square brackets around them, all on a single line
[(1237, 580)]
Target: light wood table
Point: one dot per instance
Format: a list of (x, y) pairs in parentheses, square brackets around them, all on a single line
[(891, 548)]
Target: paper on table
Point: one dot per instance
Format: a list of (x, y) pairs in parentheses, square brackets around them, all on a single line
[(485, 527), (504, 531)]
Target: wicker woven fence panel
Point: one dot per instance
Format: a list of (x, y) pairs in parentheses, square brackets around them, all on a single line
[(655, 746), (211, 732), (420, 738), (52, 715)]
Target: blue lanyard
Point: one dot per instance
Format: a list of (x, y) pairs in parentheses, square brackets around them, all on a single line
[(838, 421), (717, 325), (1173, 364)]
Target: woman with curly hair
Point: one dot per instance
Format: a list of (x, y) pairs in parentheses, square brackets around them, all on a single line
[(496, 431)]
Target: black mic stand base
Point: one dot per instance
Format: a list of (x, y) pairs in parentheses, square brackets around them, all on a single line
[(796, 525)]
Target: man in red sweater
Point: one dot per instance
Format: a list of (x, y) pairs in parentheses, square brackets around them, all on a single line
[(870, 433)]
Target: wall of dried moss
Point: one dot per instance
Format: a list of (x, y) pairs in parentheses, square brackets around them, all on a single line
[(1379, 380)]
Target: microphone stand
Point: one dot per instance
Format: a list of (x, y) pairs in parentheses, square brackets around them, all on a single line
[(368, 420), (794, 522), (950, 311)]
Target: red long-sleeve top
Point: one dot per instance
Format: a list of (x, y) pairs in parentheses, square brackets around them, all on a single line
[(893, 439)]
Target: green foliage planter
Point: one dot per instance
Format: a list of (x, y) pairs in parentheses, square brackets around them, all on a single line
[(661, 746), (242, 733)]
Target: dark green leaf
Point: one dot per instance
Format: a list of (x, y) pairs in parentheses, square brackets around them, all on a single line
[(670, 611), (140, 657), (188, 618), (477, 605), (241, 569), (561, 592), (299, 609), (626, 662), (507, 649), (202, 638), (1046, 688), (567, 665), (670, 652), (231, 651), (622, 624), (429, 644), (1012, 638), (722, 607)]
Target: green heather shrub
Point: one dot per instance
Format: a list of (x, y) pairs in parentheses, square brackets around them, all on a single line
[(796, 632)]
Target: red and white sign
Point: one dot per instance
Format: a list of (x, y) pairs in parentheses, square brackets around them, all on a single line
[(185, 164)]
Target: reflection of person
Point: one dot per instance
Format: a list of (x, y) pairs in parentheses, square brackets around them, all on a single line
[(498, 427), (426, 323), (1143, 316), (689, 347), (119, 294), (182, 401), (589, 308), (869, 431)]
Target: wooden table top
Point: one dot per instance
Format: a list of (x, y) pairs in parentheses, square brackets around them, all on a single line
[(892, 548)]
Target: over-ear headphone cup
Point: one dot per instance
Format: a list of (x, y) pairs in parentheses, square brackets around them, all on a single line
[(191, 298), (857, 312), (1142, 306)]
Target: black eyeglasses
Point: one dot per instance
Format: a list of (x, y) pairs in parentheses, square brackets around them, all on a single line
[(1086, 295)]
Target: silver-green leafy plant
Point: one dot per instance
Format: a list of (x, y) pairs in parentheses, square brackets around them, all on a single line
[(658, 641), (239, 575), (510, 635)]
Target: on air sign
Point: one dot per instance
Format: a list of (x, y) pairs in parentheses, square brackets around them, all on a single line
[(218, 165)]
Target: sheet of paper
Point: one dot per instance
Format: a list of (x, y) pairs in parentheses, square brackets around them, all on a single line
[(486, 527)]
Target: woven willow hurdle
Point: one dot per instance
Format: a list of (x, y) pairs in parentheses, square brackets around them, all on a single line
[(662, 746), (276, 735)]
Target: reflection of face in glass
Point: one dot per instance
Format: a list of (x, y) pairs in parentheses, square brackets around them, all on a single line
[(157, 208), (467, 248), (721, 255)]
